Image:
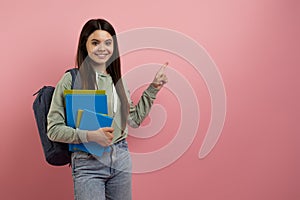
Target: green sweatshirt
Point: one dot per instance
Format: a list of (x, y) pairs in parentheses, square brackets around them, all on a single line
[(60, 132)]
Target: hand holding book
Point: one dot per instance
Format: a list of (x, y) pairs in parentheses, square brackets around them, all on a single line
[(102, 136)]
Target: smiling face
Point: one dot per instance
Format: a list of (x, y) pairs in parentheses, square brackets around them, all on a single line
[(100, 46)]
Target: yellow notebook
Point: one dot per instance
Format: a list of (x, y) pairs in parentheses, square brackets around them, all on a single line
[(79, 115), (84, 92)]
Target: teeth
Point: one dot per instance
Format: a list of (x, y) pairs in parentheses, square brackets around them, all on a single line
[(101, 56)]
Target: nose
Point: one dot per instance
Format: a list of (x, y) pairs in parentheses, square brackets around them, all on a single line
[(101, 47)]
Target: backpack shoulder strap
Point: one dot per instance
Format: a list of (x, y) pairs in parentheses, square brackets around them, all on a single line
[(75, 79)]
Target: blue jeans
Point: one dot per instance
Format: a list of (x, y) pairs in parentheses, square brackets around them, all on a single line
[(103, 178)]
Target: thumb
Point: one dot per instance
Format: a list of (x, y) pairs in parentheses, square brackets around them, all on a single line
[(108, 129)]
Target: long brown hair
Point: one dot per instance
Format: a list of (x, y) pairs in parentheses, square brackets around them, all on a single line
[(113, 65)]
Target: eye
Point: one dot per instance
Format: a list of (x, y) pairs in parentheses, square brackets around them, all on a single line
[(108, 42), (94, 43)]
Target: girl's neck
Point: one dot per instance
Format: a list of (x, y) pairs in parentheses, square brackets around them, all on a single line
[(100, 68)]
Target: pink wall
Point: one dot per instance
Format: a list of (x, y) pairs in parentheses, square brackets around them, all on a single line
[(255, 45)]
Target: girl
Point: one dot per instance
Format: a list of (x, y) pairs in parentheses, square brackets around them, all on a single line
[(98, 62)]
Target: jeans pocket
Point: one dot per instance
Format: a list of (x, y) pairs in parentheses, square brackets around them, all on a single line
[(82, 156), (80, 159)]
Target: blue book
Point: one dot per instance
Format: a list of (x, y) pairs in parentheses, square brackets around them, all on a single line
[(93, 102), (92, 121)]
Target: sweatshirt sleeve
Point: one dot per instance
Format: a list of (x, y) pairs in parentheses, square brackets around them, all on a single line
[(57, 130), (139, 112)]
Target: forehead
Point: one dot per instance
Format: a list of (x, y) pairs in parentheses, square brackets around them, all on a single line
[(100, 35)]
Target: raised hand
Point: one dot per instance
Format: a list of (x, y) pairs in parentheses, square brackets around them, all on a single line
[(160, 78)]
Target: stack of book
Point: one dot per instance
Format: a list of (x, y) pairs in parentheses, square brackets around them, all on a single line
[(87, 110)]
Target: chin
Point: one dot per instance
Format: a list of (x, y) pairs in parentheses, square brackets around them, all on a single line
[(101, 61)]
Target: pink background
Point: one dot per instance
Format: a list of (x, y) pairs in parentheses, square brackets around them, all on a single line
[(256, 46)]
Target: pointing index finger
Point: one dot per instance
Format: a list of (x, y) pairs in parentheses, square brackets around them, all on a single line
[(164, 67)]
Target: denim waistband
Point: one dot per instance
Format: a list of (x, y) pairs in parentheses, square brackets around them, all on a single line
[(120, 142), (116, 144)]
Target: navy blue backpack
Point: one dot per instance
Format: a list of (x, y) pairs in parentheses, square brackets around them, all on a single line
[(56, 153)]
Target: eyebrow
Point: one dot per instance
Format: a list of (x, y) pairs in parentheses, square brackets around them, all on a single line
[(99, 40)]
